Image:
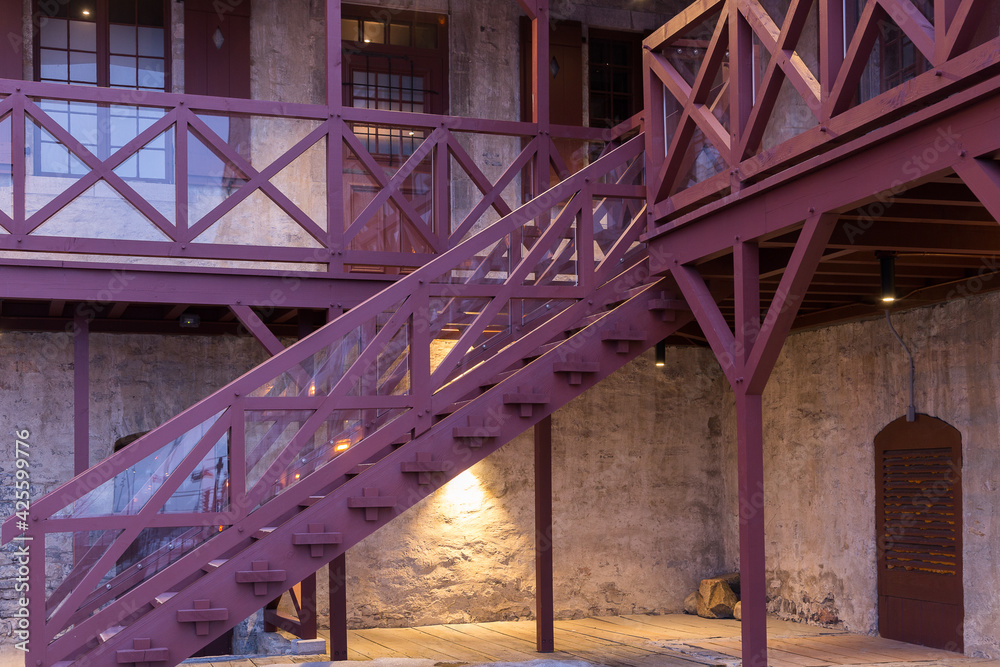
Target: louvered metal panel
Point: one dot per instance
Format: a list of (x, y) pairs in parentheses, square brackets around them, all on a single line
[(918, 480)]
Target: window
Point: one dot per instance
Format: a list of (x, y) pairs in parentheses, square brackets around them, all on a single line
[(109, 43), (895, 59), (615, 63), (393, 61)]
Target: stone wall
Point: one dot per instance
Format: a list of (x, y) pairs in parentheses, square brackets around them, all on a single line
[(137, 382), (636, 506), (831, 393)]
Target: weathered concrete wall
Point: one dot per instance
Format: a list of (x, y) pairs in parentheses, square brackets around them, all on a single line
[(831, 393), (137, 382)]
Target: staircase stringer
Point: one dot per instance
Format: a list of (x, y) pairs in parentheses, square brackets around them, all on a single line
[(387, 476)]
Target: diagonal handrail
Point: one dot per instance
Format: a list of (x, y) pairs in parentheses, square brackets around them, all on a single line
[(406, 303)]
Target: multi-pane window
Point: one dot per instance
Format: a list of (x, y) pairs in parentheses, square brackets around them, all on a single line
[(901, 61), (109, 43), (613, 78), (394, 61), (113, 43)]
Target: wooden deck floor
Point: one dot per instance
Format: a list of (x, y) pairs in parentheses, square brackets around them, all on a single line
[(674, 640)]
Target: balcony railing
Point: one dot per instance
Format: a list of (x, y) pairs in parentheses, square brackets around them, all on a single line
[(112, 176), (755, 88), (150, 516)]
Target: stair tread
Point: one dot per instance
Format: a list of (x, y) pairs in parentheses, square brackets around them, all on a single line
[(358, 469), (214, 564), (263, 532), (110, 632), (310, 501), (163, 597)]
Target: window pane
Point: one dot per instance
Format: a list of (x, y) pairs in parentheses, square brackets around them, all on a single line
[(123, 11), (54, 65), (151, 42), (83, 67), (54, 158), (82, 36), (53, 33), (151, 13), (374, 32), (152, 164), (349, 30), (151, 73), (123, 71), (399, 35), (123, 39)]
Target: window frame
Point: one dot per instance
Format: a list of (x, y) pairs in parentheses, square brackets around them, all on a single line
[(103, 113)]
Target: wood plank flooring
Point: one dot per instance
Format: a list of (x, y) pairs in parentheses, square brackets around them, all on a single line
[(674, 640)]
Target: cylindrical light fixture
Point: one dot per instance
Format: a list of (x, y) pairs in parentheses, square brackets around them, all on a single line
[(887, 263), (661, 354)]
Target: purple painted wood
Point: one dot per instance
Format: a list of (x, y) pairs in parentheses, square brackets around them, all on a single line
[(338, 607), (544, 617), (235, 399)]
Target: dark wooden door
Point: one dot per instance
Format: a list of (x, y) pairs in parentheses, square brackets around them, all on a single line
[(217, 48), (918, 480), (11, 58)]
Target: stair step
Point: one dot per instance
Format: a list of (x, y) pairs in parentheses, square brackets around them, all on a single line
[(548, 347), (160, 599), (454, 407), (498, 378), (64, 663), (213, 565), (310, 501), (588, 320), (263, 532), (110, 632), (358, 469)]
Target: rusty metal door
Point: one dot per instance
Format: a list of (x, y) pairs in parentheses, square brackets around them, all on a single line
[(918, 518)]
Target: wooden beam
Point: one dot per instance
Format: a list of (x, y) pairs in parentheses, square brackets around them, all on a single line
[(258, 329), (118, 310), (691, 15), (982, 176), (544, 615), (785, 304)]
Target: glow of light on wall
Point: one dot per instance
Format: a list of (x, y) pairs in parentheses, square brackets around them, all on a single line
[(342, 445), (312, 389), (465, 493)]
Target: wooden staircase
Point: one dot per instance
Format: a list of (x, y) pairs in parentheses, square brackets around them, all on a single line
[(301, 492)]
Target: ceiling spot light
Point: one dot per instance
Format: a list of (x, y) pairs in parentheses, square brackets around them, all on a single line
[(661, 354), (887, 264), (190, 321)]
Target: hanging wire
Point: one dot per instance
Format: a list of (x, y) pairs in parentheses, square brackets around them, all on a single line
[(911, 410)]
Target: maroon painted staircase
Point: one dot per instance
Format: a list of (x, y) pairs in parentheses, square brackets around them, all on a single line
[(306, 455)]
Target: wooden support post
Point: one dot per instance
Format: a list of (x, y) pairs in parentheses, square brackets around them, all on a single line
[(338, 607), (544, 628), (307, 608), (750, 455), (81, 394)]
